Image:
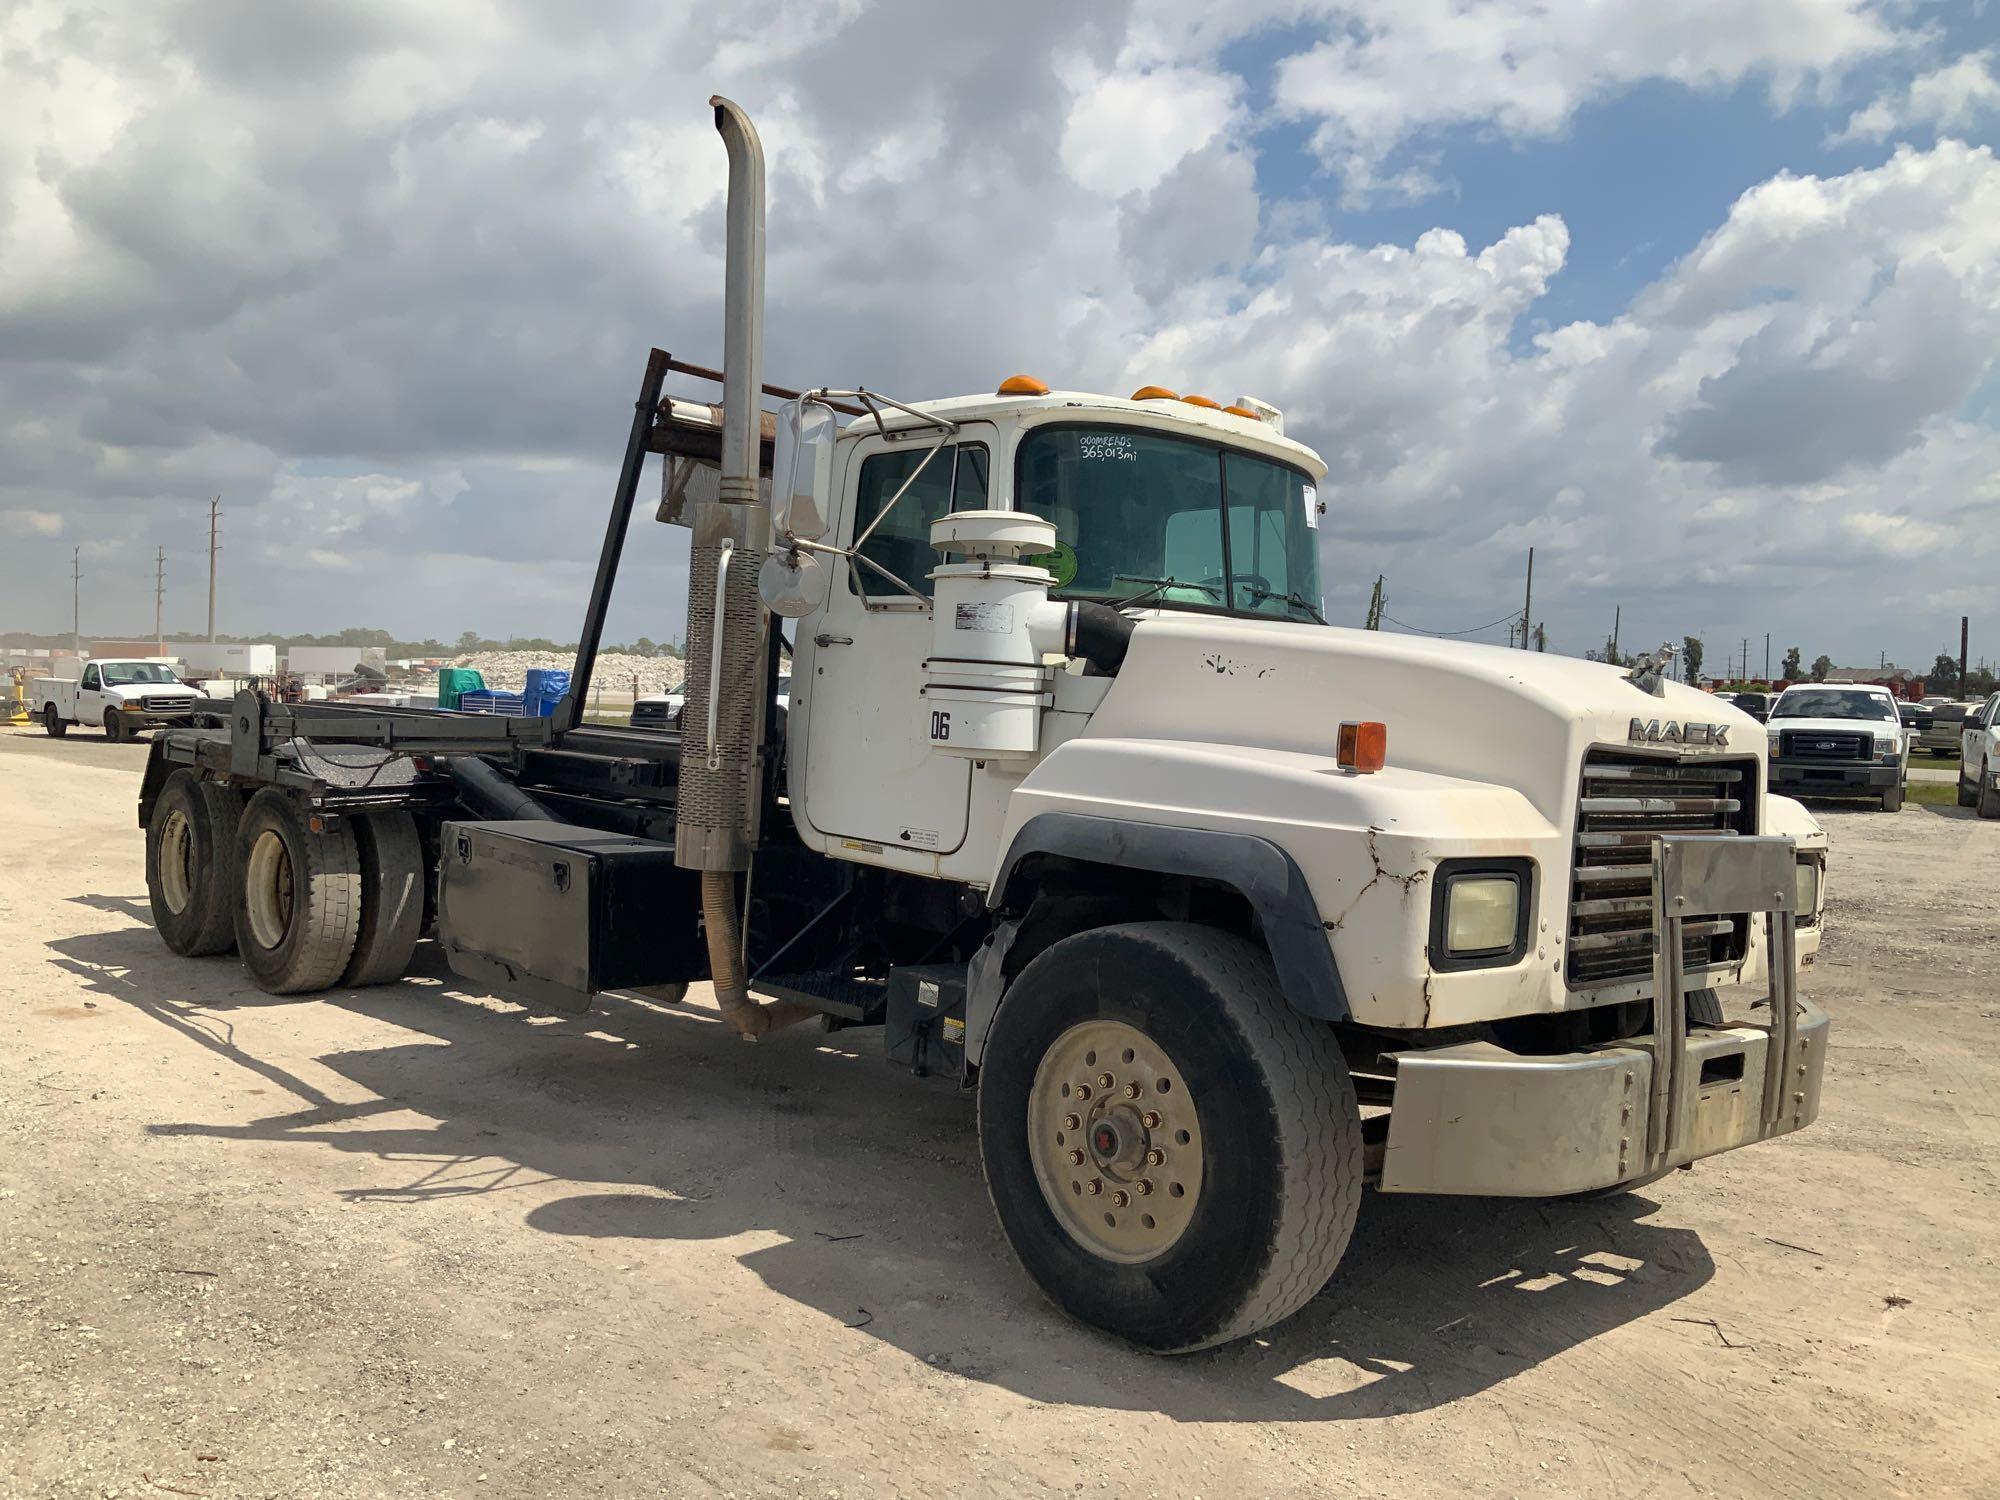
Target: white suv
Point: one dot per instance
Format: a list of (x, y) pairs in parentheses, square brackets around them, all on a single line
[(1838, 741), (1979, 759)]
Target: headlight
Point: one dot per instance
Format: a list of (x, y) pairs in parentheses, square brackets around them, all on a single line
[(1888, 749), (1479, 912), (1773, 739), (1805, 889)]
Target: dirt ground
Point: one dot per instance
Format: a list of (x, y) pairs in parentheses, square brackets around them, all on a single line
[(413, 1240)]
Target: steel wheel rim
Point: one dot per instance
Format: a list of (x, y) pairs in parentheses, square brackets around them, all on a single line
[(267, 889), (1119, 1162), (177, 861)]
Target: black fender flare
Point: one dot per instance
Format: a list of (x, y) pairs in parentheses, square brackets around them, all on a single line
[(1262, 872)]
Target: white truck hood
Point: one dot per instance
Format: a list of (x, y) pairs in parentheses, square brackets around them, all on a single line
[(1521, 719), (1880, 728)]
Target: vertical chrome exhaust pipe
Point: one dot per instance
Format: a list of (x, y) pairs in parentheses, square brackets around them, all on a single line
[(722, 720)]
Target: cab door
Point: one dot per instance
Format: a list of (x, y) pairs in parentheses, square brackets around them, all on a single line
[(872, 783), (90, 696)]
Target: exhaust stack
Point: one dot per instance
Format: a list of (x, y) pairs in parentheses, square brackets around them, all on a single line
[(722, 723)]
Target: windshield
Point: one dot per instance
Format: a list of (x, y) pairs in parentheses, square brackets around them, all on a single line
[(1829, 703), (1172, 521), (122, 673)]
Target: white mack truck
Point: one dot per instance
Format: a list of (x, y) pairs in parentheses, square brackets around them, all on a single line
[(1224, 913)]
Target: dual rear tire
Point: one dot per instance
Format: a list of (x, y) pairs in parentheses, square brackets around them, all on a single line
[(307, 901)]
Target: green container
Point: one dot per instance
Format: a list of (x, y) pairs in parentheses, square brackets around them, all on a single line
[(453, 681)]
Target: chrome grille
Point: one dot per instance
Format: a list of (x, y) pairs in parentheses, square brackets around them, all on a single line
[(163, 705), (1626, 802), (1824, 744)]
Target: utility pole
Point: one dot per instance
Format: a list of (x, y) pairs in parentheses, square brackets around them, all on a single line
[(1528, 602), (1745, 673), (1375, 606), (1964, 633), (159, 599), (1617, 618), (76, 600), (213, 507), (1767, 657)]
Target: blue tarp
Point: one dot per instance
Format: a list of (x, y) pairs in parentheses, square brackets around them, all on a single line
[(544, 689)]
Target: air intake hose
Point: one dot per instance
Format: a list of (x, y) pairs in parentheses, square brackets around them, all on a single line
[(1099, 635)]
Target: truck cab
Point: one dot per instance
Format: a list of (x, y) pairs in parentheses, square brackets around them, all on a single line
[(1979, 759), (120, 695)]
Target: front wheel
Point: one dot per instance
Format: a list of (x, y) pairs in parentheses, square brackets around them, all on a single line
[(1989, 795), (114, 726), (1174, 1153), (1892, 800), (53, 722)]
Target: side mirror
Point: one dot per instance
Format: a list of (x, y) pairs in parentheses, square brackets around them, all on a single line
[(802, 470)]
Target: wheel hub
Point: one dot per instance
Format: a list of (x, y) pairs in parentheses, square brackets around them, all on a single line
[(267, 889), (1116, 1141), (176, 862)]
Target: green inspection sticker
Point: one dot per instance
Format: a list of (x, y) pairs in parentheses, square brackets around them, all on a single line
[(1061, 562)]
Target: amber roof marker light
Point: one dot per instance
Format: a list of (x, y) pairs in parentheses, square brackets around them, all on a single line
[(1363, 746), (1021, 385), (1155, 393)]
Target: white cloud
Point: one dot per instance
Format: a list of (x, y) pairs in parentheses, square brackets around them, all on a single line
[(1127, 131), (1954, 97), (1393, 69), (387, 286)]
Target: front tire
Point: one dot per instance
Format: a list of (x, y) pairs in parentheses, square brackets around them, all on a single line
[(114, 726), (190, 865), (1221, 1169), (1989, 797), (298, 904), (1892, 800), (53, 722)]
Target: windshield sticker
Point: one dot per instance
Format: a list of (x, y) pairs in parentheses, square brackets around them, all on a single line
[(989, 619), (1312, 507), (1061, 563), (1107, 446)]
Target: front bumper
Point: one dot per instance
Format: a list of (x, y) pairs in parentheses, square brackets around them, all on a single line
[(1476, 1118), (1842, 778)]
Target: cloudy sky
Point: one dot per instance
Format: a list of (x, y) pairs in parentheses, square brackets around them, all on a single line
[(1701, 301)]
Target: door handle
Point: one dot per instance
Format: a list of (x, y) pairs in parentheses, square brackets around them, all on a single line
[(823, 640)]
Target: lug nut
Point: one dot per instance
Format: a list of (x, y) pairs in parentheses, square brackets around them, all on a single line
[(1134, 1090), (1120, 1198), (1105, 1080), (1156, 1157), (1076, 1158), (1094, 1187), (1150, 1119), (1072, 1122), (1083, 1091), (1145, 1187)]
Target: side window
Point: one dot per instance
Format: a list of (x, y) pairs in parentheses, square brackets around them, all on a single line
[(955, 479), (90, 676)]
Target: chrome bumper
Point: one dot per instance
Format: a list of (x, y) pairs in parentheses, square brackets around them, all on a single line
[(1476, 1118)]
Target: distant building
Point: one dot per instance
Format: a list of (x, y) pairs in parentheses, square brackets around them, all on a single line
[(1901, 681)]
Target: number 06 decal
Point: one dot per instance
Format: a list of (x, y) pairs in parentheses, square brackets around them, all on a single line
[(940, 726)]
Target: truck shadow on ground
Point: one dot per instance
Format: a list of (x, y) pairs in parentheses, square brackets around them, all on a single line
[(871, 1179)]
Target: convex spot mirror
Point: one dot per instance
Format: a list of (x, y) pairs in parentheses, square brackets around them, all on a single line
[(802, 470)]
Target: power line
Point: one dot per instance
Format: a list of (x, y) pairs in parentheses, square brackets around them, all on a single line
[(1507, 619)]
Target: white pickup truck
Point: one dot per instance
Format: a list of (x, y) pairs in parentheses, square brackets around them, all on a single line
[(120, 696), (1979, 759)]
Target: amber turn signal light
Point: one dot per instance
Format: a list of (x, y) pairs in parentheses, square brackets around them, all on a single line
[(1363, 746)]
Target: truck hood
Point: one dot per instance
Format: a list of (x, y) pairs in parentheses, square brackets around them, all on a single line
[(130, 690), (1521, 719)]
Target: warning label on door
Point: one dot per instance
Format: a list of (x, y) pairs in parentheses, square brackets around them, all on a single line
[(991, 619), (918, 838)]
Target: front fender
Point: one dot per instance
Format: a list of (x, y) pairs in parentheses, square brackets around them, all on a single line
[(1364, 848), (1258, 869)]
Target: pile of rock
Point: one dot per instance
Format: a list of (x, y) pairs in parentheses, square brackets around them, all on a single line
[(506, 671)]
